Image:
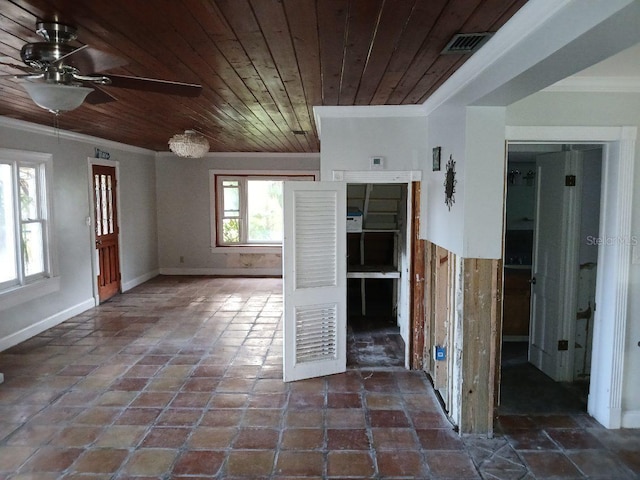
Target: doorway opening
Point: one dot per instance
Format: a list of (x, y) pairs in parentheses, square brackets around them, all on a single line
[(376, 243), (552, 225)]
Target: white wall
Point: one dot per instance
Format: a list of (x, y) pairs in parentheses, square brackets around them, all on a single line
[(444, 226), (184, 212), (71, 235), (349, 143), (474, 138), (599, 109)]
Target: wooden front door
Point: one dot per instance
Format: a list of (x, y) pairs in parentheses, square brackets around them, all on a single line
[(106, 229)]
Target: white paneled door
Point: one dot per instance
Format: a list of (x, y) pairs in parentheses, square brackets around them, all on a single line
[(555, 263), (314, 267)]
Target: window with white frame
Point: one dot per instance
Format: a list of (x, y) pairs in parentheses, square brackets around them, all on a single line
[(249, 209), (24, 219)]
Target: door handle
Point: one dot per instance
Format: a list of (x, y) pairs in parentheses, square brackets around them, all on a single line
[(532, 281), (98, 242)]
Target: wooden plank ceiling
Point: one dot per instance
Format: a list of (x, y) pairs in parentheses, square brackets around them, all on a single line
[(263, 64)]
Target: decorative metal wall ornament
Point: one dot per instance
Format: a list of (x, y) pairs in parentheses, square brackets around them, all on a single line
[(450, 183)]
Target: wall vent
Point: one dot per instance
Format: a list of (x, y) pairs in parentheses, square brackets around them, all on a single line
[(463, 43)]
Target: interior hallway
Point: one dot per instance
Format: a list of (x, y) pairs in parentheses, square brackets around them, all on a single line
[(181, 378)]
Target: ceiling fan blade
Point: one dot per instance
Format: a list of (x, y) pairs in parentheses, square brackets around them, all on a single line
[(8, 62), (20, 76), (89, 60), (99, 96), (60, 60), (154, 85)]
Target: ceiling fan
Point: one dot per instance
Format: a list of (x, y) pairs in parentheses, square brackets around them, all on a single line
[(60, 77)]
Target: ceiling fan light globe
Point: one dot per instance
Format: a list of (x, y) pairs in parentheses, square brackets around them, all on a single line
[(57, 98), (189, 144)]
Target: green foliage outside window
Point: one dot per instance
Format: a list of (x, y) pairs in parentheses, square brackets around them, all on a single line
[(231, 230)]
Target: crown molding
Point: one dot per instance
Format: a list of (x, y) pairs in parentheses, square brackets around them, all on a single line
[(29, 127), (366, 111), (303, 155), (596, 84)]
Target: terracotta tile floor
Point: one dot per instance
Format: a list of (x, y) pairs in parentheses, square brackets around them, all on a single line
[(181, 379)]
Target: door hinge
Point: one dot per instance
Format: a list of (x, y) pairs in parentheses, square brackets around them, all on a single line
[(563, 345), (570, 181)]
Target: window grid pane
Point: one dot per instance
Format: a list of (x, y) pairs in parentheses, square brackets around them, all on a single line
[(264, 211), (110, 203), (230, 230), (8, 256), (33, 248), (231, 201), (96, 183), (104, 205), (29, 193)]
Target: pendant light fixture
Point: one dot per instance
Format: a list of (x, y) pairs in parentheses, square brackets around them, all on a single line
[(189, 144)]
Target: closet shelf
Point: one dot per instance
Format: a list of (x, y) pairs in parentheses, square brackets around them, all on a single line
[(372, 271)]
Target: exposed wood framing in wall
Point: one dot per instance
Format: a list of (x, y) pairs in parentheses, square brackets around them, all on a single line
[(418, 317), (481, 289), (463, 313)]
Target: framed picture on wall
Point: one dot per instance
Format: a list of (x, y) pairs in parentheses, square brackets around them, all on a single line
[(436, 159)]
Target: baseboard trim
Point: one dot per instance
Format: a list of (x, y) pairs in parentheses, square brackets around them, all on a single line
[(230, 272), (39, 327), (631, 419), (128, 285)]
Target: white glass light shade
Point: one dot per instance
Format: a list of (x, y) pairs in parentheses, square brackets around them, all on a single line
[(56, 97), (189, 144)]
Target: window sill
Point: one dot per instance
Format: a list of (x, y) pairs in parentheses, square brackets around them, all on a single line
[(26, 293), (275, 249)]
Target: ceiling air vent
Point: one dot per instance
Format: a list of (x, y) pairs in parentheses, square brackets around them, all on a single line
[(462, 43)]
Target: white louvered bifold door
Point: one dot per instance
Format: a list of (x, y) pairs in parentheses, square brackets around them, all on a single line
[(315, 279)]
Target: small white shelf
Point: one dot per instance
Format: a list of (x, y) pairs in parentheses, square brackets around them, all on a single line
[(375, 230), (372, 271)]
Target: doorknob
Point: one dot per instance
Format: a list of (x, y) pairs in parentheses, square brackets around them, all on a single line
[(532, 281), (98, 242)]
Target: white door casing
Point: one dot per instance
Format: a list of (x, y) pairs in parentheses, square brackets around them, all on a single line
[(314, 279), (555, 264), (612, 282), (404, 282)]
